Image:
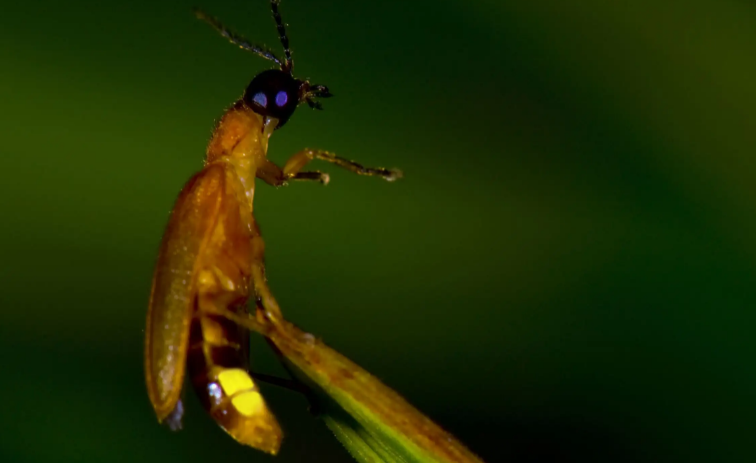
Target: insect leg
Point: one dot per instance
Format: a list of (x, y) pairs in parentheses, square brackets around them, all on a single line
[(273, 175), (267, 309), (300, 159), (246, 321), (291, 385)]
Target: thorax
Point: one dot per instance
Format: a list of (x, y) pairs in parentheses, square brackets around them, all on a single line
[(241, 139)]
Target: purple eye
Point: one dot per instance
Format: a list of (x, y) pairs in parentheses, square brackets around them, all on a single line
[(261, 99), (281, 98)]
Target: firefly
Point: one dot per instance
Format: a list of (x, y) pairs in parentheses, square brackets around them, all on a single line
[(211, 259)]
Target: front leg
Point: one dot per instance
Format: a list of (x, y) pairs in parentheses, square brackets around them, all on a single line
[(274, 175), (295, 164)]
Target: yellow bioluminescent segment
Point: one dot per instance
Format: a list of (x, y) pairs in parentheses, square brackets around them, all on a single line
[(248, 403), (235, 380)]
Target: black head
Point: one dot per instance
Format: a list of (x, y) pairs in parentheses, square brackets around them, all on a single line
[(275, 92)]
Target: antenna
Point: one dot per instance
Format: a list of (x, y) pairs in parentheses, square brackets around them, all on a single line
[(245, 44), (289, 64)]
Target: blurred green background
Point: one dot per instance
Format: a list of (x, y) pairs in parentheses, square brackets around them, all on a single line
[(565, 274)]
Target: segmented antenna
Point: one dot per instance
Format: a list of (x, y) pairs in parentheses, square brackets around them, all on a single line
[(245, 44), (289, 65)]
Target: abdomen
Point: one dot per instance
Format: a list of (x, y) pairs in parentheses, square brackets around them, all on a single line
[(217, 358), (204, 266), (217, 366)]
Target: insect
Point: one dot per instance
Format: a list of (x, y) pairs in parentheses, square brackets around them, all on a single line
[(211, 257)]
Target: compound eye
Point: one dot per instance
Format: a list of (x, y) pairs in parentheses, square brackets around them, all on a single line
[(282, 98), (261, 99)]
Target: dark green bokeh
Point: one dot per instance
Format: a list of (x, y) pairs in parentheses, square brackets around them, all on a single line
[(565, 273)]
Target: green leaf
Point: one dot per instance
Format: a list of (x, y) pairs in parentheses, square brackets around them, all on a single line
[(372, 421)]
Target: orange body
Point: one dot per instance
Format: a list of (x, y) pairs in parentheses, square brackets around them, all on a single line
[(210, 255)]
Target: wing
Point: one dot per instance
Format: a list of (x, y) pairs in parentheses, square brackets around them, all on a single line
[(173, 286)]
